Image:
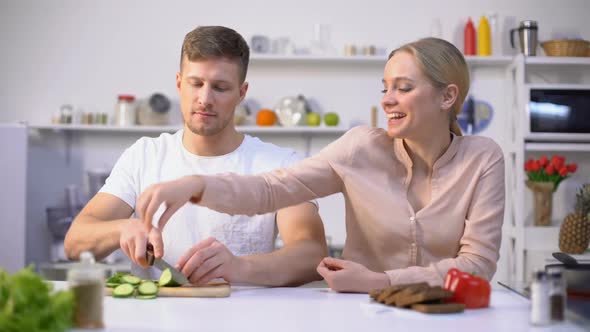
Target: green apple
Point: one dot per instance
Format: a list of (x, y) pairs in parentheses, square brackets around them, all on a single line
[(313, 119), (331, 119)]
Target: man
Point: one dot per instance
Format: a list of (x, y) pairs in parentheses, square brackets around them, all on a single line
[(204, 244)]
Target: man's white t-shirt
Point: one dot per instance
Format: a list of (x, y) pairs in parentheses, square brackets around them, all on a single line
[(153, 160)]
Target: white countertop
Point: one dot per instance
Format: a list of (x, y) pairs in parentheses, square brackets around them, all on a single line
[(309, 309)]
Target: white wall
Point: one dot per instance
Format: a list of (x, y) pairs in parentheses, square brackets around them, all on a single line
[(87, 52)]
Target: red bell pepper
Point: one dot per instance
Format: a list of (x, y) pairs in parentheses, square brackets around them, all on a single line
[(474, 292)]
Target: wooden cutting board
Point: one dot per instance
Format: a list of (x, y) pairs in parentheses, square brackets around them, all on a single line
[(212, 289)]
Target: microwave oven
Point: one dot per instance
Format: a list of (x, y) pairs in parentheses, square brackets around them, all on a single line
[(558, 113)]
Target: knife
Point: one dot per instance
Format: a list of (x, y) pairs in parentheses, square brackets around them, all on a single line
[(163, 265)]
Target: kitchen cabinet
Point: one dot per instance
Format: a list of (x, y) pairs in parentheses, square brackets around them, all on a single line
[(528, 244)]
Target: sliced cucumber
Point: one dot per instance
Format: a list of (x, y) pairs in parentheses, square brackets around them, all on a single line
[(123, 290), (116, 279), (145, 297), (147, 288), (166, 279), (112, 284), (130, 279)]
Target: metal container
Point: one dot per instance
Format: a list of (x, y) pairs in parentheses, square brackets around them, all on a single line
[(528, 40)]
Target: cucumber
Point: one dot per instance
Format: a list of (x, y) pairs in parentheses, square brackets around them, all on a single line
[(112, 284), (166, 279), (115, 279), (130, 279), (147, 288), (123, 290), (145, 297)]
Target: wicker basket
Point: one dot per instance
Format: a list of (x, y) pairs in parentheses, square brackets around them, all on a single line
[(562, 47)]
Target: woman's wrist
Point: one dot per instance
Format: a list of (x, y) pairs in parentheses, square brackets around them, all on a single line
[(380, 280), (197, 186)]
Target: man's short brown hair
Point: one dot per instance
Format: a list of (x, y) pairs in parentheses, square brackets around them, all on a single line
[(212, 42)]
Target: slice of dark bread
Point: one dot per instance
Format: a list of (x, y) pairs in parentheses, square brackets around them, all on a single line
[(423, 295), (442, 308)]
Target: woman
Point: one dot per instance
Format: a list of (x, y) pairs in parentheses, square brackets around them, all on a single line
[(420, 198)]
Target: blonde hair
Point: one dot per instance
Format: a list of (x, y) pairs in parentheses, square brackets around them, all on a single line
[(443, 64)]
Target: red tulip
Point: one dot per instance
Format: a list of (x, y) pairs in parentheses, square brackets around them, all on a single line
[(572, 167), (549, 170), (544, 161), (563, 171), (535, 166), (558, 161)]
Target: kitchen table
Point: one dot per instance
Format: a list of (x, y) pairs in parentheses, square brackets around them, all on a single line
[(261, 309)]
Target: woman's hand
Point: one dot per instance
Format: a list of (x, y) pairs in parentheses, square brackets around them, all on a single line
[(173, 193), (350, 277)]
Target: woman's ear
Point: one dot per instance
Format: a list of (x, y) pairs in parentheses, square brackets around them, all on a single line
[(450, 94)]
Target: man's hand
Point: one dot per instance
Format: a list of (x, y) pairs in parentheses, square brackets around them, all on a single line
[(347, 276), (134, 239), (207, 260), (173, 193)]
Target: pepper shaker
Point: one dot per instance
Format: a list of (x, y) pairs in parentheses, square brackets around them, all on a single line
[(557, 294)]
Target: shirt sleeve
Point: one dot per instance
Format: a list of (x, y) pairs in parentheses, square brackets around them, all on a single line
[(480, 244), (123, 181), (314, 177)]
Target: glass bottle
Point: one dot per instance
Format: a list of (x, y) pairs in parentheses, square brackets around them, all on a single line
[(125, 113), (86, 280), (557, 294), (540, 310)]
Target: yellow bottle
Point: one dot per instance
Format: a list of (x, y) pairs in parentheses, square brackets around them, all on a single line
[(484, 40)]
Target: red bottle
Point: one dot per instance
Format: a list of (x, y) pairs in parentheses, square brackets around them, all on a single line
[(470, 45)]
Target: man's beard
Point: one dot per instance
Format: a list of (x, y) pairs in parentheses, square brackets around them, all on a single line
[(208, 131)]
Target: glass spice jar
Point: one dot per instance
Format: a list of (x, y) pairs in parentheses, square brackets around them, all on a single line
[(86, 281), (557, 294)]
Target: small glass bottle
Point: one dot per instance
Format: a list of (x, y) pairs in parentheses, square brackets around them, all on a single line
[(86, 280), (557, 294), (125, 113), (540, 309)]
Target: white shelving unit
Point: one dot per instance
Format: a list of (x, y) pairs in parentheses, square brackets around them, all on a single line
[(524, 239), (306, 132), (170, 129), (472, 61)]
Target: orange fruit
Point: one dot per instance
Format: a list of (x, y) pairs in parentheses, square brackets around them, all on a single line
[(266, 117)]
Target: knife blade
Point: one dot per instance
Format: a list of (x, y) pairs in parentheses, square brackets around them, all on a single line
[(163, 265)]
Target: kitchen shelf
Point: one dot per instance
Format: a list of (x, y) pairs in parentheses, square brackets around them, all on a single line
[(561, 147), (554, 60), (472, 61), (161, 129), (306, 132)]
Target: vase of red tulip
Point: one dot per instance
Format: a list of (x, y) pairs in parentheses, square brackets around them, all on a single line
[(544, 176)]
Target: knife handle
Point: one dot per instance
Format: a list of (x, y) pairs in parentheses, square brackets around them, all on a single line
[(149, 254)]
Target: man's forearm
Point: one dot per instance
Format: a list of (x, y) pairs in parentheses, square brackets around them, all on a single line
[(91, 234), (291, 265)]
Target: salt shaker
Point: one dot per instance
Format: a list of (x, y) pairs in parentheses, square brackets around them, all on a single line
[(86, 280), (540, 309)]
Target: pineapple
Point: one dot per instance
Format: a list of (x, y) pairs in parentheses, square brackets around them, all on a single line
[(574, 234)]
